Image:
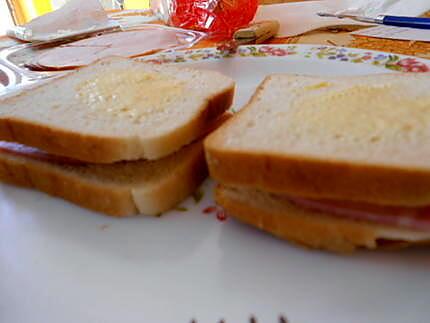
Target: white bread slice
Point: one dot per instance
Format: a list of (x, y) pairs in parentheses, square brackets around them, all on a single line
[(362, 138), (116, 109), (317, 230), (119, 189)]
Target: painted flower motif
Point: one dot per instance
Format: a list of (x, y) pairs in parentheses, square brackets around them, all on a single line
[(180, 59), (156, 61), (328, 52), (388, 61), (219, 212), (275, 51), (210, 209), (353, 55), (279, 52), (221, 215), (197, 56), (412, 65), (380, 57), (266, 49)]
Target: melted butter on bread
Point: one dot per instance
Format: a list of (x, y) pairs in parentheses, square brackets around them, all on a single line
[(360, 112), (133, 95), (317, 86)]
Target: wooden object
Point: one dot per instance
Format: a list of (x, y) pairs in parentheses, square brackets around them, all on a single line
[(257, 32)]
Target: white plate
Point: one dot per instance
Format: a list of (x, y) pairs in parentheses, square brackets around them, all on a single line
[(62, 264)]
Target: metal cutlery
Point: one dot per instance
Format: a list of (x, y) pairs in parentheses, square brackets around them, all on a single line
[(398, 21)]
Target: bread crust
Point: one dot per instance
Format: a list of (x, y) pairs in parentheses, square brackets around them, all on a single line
[(175, 187), (96, 149), (310, 229), (311, 178), (305, 176), (95, 196), (106, 197)]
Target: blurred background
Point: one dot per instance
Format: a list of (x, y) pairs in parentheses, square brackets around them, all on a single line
[(5, 17), (22, 11)]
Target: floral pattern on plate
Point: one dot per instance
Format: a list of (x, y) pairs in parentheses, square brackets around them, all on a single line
[(385, 60)]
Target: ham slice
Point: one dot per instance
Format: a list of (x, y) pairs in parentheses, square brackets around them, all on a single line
[(4, 79), (416, 218), (34, 153), (125, 44)]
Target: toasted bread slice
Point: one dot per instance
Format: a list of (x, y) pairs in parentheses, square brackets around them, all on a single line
[(317, 230), (116, 109), (119, 189), (361, 138)]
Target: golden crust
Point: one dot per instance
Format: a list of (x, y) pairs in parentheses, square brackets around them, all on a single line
[(319, 179), (63, 143), (105, 196), (96, 149), (313, 178), (315, 230), (176, 186), (115, 201)]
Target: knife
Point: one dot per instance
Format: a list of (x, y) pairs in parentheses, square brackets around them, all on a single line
[(398, 21)]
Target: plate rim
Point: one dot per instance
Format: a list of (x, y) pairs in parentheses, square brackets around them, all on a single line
[(385, 60)]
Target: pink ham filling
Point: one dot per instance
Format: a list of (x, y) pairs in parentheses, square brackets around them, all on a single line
[(416, 218), (130, 43), (34, 153)]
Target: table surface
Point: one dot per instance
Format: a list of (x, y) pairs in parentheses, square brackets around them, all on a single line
[(339, 36)]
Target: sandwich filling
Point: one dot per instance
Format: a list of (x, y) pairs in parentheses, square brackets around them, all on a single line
[(416, 218), (19, 150)]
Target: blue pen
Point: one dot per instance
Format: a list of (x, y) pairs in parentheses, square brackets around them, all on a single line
[(399, 21)]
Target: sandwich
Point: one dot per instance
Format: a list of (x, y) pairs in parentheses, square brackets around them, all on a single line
[(119, 137), (330, 163), (117, 189), (116, 109)]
